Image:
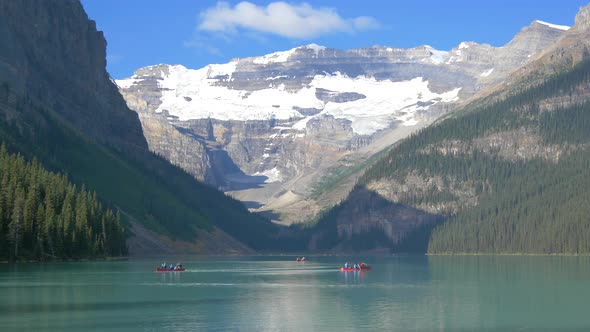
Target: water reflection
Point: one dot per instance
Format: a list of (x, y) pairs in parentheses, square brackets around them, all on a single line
[(291, 297), (352, 277), (170, 277)]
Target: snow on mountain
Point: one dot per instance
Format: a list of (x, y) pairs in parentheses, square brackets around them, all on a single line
[(437, 57), (385, 101), (463, 45), (554, 26), (284, 56), (487, 72), (317, 48), (274, 57), (195, 94), (272, 175), (126, 83), (456, 56)]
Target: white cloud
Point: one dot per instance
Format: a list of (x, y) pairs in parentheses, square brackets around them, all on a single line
[(300, 21)]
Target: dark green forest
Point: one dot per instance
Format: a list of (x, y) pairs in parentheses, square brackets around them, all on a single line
[(43, 216), (525, 205)]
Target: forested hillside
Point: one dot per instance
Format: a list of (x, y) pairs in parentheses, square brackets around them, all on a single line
[(507, 173), (524, 161), (43, 216)]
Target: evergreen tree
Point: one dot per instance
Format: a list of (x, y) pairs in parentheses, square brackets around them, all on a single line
[(16, 223)]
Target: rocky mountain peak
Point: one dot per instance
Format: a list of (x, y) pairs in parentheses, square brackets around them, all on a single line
[(313, 47), (157, 71), (582, 21), (469, 52), (572, 47), (536, 37), (305, 51), (542, 25)]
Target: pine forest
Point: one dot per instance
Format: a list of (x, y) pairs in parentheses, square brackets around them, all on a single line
[(43, 216)]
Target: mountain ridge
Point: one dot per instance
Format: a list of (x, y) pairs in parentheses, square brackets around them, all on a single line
[(263, 127)]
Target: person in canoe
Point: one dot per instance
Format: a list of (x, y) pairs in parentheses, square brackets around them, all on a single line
[(163, 266), (346, 265)]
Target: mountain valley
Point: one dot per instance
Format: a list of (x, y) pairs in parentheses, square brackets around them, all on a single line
[(479, 149), (291, 131)]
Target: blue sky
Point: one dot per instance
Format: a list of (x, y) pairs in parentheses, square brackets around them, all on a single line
[(195, 33)]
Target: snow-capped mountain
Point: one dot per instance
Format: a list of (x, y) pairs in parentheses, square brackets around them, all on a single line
[(270, 128), (370, 104)]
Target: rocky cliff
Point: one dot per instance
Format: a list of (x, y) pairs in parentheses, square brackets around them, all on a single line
[(59, 58)]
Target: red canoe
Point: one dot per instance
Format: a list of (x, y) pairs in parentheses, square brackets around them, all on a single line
[(159, 269), (364, 268)]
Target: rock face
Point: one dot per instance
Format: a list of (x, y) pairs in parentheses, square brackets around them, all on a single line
[(493, 65), (570, 49), (582, 22), (60, 60), (281, 130), (184, 150)]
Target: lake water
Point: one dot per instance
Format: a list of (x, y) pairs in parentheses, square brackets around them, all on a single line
[(400, 293)]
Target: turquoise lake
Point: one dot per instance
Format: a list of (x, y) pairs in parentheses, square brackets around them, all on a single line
[(400, 293)]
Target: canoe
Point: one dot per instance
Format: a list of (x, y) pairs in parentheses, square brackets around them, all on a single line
[(159, 269), (364, 268)]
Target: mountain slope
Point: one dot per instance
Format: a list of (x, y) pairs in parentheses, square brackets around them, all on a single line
[(508, 173), (264, 129), (58, 104)]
